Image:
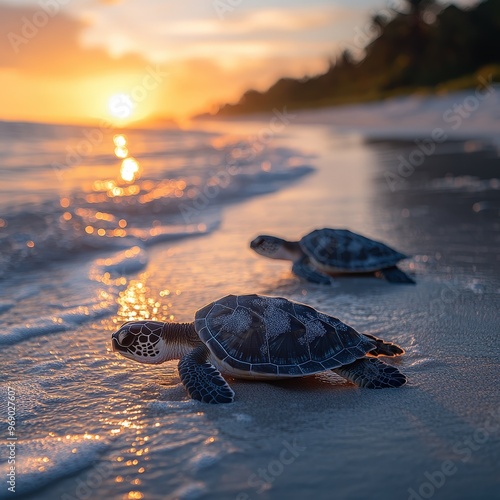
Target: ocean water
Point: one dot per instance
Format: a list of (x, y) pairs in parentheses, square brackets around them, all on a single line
[(80, 211), (155, 224), (69, 190)]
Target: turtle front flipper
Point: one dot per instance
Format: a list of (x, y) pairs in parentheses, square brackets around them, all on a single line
[(383, 348), (371, 373), (202, 380), (303, 269), (395, 275)]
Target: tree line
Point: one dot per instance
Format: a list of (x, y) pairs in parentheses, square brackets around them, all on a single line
[(424, 47)]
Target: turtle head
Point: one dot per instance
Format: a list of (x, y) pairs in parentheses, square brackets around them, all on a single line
[(142, 341), (276, 248)]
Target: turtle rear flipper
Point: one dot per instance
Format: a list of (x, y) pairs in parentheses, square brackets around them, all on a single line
[(370, 373), (383, 348), (202, 380), (395, 275), (303, 269)]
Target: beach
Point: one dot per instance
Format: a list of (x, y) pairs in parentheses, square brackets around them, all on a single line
[(91, 424)]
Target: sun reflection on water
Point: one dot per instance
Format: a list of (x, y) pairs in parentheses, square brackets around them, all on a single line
[(135, 303), (120, 204), (126, 206), (121, 152), (129, 169), (120, 140), (133, 460)]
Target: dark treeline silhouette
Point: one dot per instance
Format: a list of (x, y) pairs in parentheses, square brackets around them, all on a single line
[(427, 46)]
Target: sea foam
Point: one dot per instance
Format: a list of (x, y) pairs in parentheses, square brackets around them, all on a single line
[(56, 323), (39, 462)]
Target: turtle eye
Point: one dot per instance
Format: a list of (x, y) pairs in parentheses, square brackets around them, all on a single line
[(125, 338)]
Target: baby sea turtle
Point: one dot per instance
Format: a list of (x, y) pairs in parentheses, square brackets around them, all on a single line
[(327, 252), (258, 337)]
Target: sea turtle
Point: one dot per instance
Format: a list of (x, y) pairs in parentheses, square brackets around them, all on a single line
[(326, 252), (258, 337)]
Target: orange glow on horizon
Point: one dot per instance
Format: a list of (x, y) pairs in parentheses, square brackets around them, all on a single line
[(85, 66)]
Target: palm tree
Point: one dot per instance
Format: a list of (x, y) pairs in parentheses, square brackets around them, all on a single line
[(418, 29)]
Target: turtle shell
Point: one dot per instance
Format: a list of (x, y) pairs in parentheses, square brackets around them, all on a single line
[(274, 336), (341, 249)]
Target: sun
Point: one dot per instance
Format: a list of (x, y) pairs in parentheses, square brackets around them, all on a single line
[(121, 106)]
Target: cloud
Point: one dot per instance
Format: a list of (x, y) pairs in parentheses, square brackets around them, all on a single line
[(254, 23), (69, 66), (162, 32), (33, 42)]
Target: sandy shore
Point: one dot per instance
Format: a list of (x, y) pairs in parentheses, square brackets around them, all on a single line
[(437, 436)]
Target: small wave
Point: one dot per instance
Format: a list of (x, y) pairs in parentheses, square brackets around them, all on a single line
[(191, 491), (242, 417), (57, 323), (167, 233), (47, 367), (424, 363), (124, 262), (27, 291), (169, 406), (118, 215), (39, 462), (42, 326), (205, 459), (464, 183), (5, 306), (29, 397)]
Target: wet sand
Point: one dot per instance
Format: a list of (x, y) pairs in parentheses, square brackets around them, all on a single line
[(346, 442)]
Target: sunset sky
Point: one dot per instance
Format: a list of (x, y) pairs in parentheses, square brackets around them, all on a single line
[(80, 60)]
